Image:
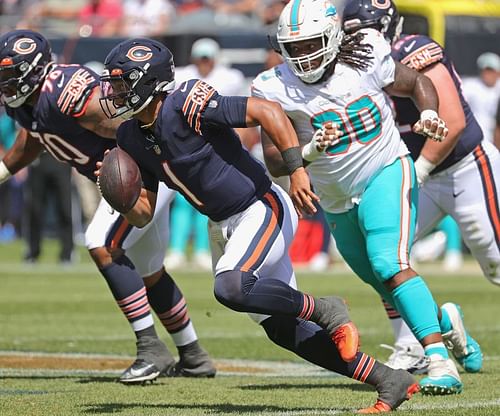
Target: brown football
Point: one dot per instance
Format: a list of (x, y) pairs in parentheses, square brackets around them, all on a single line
[(120, 180)]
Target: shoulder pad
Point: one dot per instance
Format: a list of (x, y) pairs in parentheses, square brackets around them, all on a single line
[(75, 91), (417, 51), (197, 94)]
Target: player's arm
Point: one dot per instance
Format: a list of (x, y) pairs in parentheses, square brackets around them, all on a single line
[(93, 118), (142, 212), (496, 138), (450, 111), (278, 128), (25, 150)]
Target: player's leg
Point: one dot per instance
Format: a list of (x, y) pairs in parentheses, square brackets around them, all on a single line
[(104, 237), (408, 353), (165, 297), (389, 235), (257, 241), (476, 208)]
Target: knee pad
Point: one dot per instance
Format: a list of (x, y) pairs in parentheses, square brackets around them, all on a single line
[(383, 268)]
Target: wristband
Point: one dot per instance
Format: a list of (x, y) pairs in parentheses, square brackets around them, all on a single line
[(423, 168), (292, 158), (4, 172)]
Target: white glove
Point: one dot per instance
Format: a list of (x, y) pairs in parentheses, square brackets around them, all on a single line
[(431, 126), (423, 168), (326, 136)]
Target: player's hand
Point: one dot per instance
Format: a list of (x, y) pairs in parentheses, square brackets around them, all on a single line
[(431, 126), (328, 135), (98, 165), (301, 193)]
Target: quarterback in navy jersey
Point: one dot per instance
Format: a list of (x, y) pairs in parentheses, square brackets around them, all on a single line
[(58, 108), (185, 137), (458, 177)]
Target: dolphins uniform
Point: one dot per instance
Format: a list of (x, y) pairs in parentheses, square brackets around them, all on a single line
[(53, 120), (370, 145), (355, 101), (466, 184), (194, 150)]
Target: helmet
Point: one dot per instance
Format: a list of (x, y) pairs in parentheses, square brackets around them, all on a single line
[(25, 59), (135, 71), (378, 14), (304, 20)]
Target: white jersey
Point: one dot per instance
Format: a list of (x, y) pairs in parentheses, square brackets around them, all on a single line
[(356, 102)]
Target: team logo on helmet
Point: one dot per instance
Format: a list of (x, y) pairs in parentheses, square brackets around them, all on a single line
[(24, 46), (139, 53), (381, 4)]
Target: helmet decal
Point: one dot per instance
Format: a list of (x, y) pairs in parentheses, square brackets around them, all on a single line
[(24, 46), (139, 53), (381, 4)]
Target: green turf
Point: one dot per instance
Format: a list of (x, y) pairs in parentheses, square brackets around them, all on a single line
[(46, 308)]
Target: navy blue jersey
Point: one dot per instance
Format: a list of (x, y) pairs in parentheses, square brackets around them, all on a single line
[(419, 52), (195, 150), (64, 96)]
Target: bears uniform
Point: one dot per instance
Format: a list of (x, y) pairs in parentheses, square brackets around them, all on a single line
[(63, 98), (466, 184), (193, 150)]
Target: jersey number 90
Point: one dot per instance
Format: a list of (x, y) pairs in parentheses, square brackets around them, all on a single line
[(360, 122)]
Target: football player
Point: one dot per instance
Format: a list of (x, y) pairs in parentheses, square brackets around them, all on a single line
[(58, 108), (252, 221), (333, 86), (459, 177)]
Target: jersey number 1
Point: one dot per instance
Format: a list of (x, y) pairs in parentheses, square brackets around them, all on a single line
[(360, 122)]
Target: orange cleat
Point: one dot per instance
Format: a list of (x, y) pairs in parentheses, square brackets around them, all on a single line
[(382, 407), (346, 338)]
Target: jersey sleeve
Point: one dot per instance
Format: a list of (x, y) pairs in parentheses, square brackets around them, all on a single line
[(417, 52), (74, 90), (200, 103), (383, 66)]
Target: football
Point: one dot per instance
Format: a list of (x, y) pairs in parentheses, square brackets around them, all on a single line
[(120, 180)]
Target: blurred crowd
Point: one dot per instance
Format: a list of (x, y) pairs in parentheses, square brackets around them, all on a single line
[(110, 18)]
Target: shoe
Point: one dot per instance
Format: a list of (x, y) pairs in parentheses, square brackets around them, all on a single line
[(346, 338), (410, 357), (319, 262), (194, 362), (396, 388), (203, 260), (153, 358), (175, 260), (464, 348), (429, 248), (453, 261), (442, 378)]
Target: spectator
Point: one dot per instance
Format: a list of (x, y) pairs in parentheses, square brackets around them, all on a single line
[(146, 17), (482, 93), (95, 18), (48, 179)]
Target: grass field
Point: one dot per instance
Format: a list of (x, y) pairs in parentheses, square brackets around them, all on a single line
[(63, 341)]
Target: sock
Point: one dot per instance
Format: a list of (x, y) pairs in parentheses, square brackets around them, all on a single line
[(169, 304), (402, 333), (436, 348), (414, 302), (129, 292), (445, 322)]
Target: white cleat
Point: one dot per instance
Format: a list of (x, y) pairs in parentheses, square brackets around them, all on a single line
[(442, 378), (409, 357)]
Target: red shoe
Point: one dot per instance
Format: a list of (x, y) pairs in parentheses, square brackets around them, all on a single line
[(381, 407), (346, 338)]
